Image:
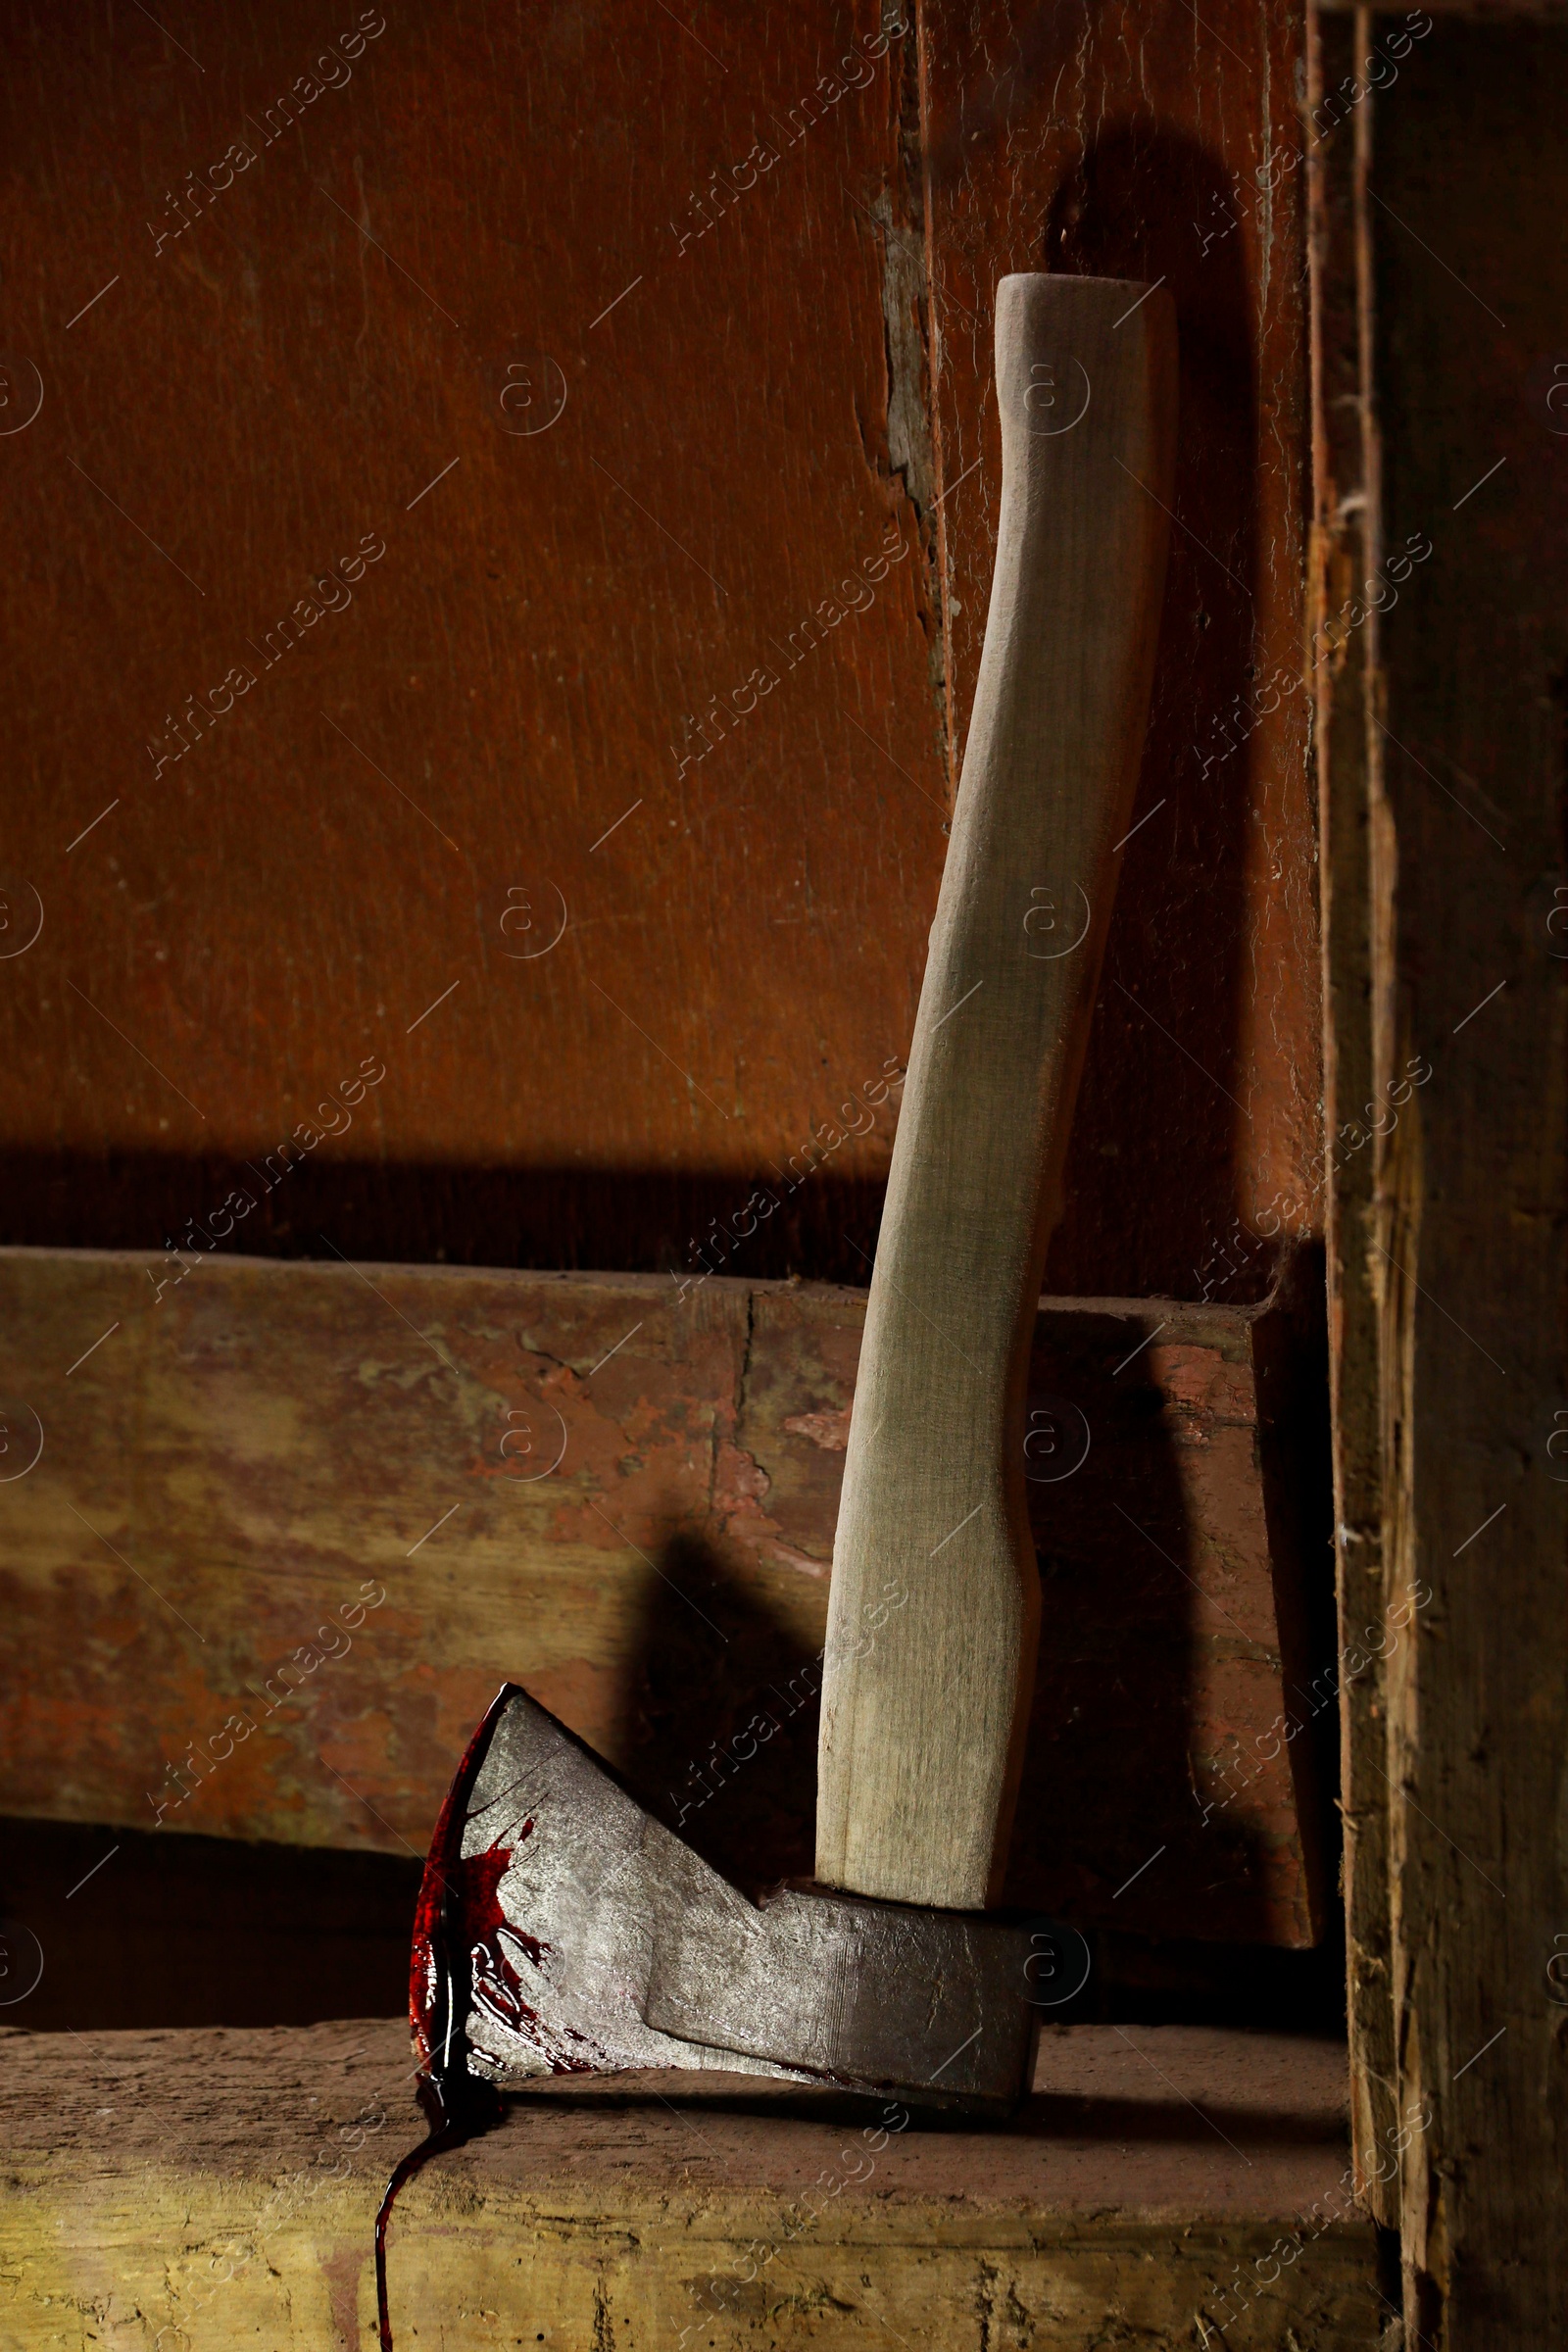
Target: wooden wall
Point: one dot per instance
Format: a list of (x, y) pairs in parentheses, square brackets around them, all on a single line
[(1147, 142), (799, 224), (599, 398)]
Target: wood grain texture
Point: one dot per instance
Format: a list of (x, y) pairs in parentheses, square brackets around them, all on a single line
[(221, 2187), (1139, 140), (270, 384), (223, 1473), (625, 615), (1473, 1183), (1343, 672), (921, 1738)]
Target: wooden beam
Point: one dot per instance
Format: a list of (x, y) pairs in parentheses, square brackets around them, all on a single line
[(1466, 1246), (1342, 679), (215, 2187), (293, 1523)]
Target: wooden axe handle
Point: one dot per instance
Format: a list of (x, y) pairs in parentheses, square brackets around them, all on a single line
[(933, 1621)]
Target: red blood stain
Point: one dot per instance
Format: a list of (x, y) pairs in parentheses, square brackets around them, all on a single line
[(440, 1873), (460, 1912)]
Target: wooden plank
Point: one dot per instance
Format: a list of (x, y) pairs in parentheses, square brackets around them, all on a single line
[(222, 2186), (1472, 1233), (1342, 674), (228, 1470)]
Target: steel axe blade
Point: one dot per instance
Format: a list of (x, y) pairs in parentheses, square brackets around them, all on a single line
[(564, 1930)]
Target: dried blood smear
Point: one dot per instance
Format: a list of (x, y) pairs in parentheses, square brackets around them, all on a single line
[(486, 1934), (497, 1986)]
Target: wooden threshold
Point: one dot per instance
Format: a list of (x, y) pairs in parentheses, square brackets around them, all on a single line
[(213, 2189)]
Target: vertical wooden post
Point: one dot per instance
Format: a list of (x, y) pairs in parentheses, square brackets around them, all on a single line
[(1445, 887), (1341, 675)]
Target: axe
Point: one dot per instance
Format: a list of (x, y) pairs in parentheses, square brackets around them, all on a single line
[(561, 1929)]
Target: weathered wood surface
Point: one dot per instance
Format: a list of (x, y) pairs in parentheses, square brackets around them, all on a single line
[(555, 623), (225, 1475), (1343, 677), (1447, 942), (1141, 139), (1471, 921), (213, 2188), (626, 614)]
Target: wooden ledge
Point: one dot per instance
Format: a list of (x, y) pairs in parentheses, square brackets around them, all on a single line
[(302, 1497), (208, 2189)]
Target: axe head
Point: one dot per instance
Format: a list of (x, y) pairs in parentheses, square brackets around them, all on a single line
[(563, 1931)]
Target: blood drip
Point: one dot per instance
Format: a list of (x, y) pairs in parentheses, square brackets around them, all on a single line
[(455, 1896), (448, 2130)]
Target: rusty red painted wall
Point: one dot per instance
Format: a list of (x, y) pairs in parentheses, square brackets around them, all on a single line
[(1154, 143), (230, 410)]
